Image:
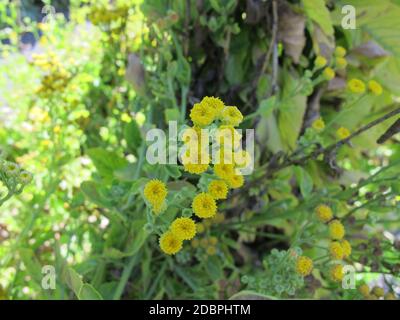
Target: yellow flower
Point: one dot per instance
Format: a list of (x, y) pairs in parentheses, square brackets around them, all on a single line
[(343, 133), (390, 296), (170, 243), (336, 273), (155, 192), (204, 242), (356, 86), (214, 103), (195, 243), (218, 189), (219, 217), (204, 205), (341, 63), (378, 291), (184, 228), (191, 135), (213, 241), (202, 115), (304, 265), (159, 207), (375, 87), (226, 135), (336, 230), (320, 62), (211, 250), (224, 171), (324, 213), (232, 116), (200, 228), (336, 250), (318, 124), (328, 73), (340, 52), (346, 248), (236, 181), (242, 159), (364, 290), (195, 168)]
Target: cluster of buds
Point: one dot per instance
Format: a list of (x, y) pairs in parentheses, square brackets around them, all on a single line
[(13, 178)]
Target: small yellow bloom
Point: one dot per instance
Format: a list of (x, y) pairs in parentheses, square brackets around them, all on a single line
[(155, 192), (218, 189), (226, 135), (324, 213), (341, 63), (170, 243), (328, 73), (346, 248), (214, 103), (219, 217), (224, 171), (390, 296), (57, 129), (375, 87), (320, 62), (378, 291), (236, 181), (211, 250), (232, 116), (195, 243), (364, 290), (336, 230), (184, 228), (202, 115), (195, 168), (213, 240), (204, 242), (242, 159), (204, 205), (336, 273), (336, 250), (318, 124), (356, 86), (200, 228), (340, 52), (343, 133), (304, 265)]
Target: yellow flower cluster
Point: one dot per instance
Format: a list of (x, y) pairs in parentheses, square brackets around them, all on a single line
[(55, 78), (339, 248), (155, 192), (210, 109), (304, 265), (105, 13), (181, 229)]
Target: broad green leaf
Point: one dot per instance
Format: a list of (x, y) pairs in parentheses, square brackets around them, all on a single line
[(317, 11), (304, 180), (267, 106), (88, 292), (31, 264), (73, 280), (105, 161), (90, 190)]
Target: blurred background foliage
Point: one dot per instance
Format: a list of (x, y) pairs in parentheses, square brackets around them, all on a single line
[(79, 89)]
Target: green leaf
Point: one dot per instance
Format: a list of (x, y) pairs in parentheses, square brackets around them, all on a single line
[(267, 106), (304, 180), (90, 190), (172, 114), (87, 292), (31, 264), (106, 161), (132, 136), (73, 280), (319, 13)]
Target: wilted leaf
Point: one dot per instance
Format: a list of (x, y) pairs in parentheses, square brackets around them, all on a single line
[(135, 74), (291, 32)]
